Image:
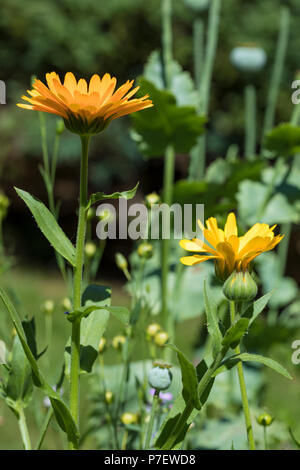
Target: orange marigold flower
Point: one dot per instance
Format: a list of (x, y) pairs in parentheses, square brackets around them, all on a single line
[(229, 251), (86, 108)]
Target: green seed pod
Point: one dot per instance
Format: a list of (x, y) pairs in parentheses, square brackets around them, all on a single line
[(145, 250), (197, 5), (160, 377), (265, 419), (240, 286)]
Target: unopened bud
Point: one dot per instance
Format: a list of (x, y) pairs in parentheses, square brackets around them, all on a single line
[(109, 397), (60, 126), (48, 307), (121, 261), (153, 329), (161, 338), (197, 5), (66, 304), (145, 250), (102, 345), (129, 418), (240, 286), (90, 213), (118, 342), (90, 249), (152, 199), (265, 419)]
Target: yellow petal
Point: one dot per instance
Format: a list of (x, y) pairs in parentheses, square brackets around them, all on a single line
[(230, 226), (196, 259)]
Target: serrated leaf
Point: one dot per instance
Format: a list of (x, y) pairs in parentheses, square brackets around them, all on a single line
[(212, 320), (49, 227), (189, 378), (165, 124), (235, 333), (100, 196), (257, 307), (61, 411)]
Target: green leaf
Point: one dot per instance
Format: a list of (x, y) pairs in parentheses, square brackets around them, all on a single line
[(92, 327), (257, 307), (100, 196), (296, 442), (165, 124), (212, 320), (189, 379), (283, 140), (121, 313), (19, 386), (246, 357), (49, 226), (235, 333), (62, 413)]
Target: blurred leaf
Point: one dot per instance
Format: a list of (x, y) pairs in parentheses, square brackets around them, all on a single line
[(97, 197), (49, 226), (62, 413), (296, 442), (181, 82), (212, 320), (165, 124), (235, 333), (189, 379), (283, 140)]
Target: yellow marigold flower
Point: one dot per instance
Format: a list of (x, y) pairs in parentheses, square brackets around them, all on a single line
[(86, 108), (229, 251)]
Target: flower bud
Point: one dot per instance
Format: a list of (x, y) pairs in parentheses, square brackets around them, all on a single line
[(90, 213), (118, 342), (105, 215), (102, 345), (265, 419), (109, 397), (161, 338), (66, 304), (160, 377), (240, 286), (48, 307), (145, 250), (129, 418), (152, 330), (13, 332), (121, 261), (197, 5), (90, 249), (60, 126), (151, 199), (248, 58)]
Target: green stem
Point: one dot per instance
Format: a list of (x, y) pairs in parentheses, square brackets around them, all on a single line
[(250, 134), (23, 429), (277, 70), (265, 438), (197, 165), (243, 387), (167, 40), (198, 36), (152, 418), (165, 243), (77, 282)]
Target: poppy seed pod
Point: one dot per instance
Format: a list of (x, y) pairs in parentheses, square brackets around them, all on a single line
[(248, 58), (240, 286), (160, 377)]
